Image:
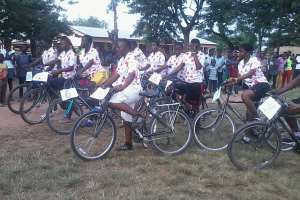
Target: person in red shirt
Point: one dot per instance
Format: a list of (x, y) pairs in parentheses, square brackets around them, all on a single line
[(232, 66)]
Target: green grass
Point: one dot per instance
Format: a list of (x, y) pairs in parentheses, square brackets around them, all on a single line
[(37, 164)]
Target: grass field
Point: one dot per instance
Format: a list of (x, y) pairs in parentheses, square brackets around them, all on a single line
[(37, 164)]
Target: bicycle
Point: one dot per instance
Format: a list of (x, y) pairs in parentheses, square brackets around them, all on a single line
[(98, 130), (62, 113), (14, 98), (263, 143), (214, 127)]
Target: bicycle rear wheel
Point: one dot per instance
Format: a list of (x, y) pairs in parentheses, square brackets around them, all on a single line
[(61, 115), (34, 106), (14, 98), (254, 146), (93, 136), (171, 133), (212, 130)]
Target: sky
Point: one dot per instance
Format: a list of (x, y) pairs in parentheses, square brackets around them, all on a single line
[(98, 8)]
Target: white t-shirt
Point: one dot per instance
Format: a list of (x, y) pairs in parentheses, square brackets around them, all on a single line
[(68, 59), (140, 57), (189, 73), (93, 55), (155, 59), (258, 75), (125, 66), (298, 62), (49, 55)]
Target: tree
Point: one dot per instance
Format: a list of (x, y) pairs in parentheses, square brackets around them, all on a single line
[(167, 18), (33, 20), (113, 35), (275, 21), (91, 21)]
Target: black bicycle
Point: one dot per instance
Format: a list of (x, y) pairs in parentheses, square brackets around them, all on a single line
[(257, 144), (167, 130), (62, 114)]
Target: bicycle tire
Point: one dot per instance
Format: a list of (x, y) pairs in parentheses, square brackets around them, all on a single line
[(55, 115), (160, 145), (78, 150), (40, 98), (11, 98), (212, 137), (258, 138)]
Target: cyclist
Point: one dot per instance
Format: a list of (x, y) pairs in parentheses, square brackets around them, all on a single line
[(68, 61), (49, 54), (126, 84), (138, 54), (190, 73), (91, 67), (156, 60), (293, 107), (250, 72)]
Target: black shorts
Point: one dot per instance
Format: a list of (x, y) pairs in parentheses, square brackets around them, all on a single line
[(260, 90), (191, 90)]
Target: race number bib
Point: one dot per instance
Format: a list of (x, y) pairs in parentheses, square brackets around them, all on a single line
[(42, 77), (155, 78), (269, 107), (100, 93), (217, 95), (67, 94), (29, 76)]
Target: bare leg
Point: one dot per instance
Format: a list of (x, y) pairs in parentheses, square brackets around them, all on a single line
[(247, 97), (128, 133)]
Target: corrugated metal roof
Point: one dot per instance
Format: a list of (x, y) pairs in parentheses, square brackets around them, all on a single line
[(101, 32)]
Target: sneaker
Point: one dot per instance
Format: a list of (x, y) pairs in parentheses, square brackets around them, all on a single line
[(125, 147), (66, 120)]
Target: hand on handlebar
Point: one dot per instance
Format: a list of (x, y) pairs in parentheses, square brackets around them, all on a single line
[(230, 81)]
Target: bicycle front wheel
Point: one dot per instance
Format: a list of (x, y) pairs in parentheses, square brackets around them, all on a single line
[(61, 115), (212, 130), (171, 131), (34, 106), (15, 96), (93, 136), (254, 146)]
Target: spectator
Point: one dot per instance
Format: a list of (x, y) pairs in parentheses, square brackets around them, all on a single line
[(220, 64), (9, 60), (297, 65), (3, 81), (272, 72), (213, 79), (288, 70), (207, 62), (232, 66), (22, 61), (280, 68)]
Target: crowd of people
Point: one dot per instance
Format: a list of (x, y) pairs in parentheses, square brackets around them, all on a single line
[(192, 71)]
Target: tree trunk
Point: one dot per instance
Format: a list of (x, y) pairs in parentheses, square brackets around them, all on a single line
[(186, 36), (116, 31), (260, 37), (33, 47)]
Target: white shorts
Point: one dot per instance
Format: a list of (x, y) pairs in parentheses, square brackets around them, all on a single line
[(130, 96)]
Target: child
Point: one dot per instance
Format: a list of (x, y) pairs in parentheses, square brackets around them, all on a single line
[(3, 81), (212, 77)]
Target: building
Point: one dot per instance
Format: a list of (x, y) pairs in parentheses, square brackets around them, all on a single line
[(102, 42)]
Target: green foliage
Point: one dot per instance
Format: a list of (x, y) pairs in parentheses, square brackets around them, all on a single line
[(31, 19), (166, 19), (274, 22), (91, 21)]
